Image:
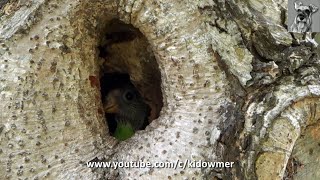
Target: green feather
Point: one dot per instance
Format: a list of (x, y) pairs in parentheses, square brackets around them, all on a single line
[(123, 131)]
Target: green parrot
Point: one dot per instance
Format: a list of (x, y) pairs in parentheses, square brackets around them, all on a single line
[(131, 112)]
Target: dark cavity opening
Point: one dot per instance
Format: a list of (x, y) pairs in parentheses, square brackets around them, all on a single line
[(130, 76)]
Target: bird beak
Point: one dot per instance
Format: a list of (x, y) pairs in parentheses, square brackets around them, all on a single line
[(111, 105), (111, 109)]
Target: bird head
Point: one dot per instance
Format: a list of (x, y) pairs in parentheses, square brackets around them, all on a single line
[(128, 105)]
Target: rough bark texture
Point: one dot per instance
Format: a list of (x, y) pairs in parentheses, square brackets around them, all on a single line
[(236, 86)]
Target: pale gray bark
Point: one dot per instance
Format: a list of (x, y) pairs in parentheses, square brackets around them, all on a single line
[(236, 86)]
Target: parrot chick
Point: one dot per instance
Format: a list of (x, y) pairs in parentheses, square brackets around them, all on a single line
[(131, 112)]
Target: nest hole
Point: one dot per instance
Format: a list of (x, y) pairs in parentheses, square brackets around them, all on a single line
[(130, 77)]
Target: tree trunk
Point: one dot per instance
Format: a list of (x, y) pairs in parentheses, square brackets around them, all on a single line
[(235, 87)]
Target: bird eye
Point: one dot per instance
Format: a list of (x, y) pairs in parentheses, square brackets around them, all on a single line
[(129, 96)]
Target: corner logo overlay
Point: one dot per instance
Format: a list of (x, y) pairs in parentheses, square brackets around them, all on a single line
[(304, 16)]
